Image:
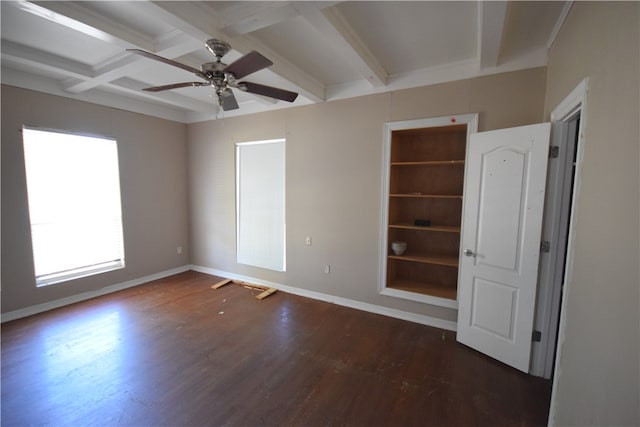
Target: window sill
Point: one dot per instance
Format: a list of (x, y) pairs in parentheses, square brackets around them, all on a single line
[(65, 276)]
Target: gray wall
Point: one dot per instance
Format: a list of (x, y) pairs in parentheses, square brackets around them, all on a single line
[(334, 177), (598, 371), (153, 178)]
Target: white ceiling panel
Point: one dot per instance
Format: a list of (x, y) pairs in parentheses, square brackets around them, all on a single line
[(128, 13), (48, 34), (529, 26), (322, 50), (295, 38), (408, 36)]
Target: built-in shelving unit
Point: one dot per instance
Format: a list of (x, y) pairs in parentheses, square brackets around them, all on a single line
[(424, 195)]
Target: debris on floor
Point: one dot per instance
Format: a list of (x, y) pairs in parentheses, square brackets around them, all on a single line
[(266, 290), (221, 284)]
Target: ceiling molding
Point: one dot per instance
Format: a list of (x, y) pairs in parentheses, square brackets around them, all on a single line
[(417, 78), (556, 29), (16, 78)]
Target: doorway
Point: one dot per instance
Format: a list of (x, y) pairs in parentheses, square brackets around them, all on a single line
[(556, 249)]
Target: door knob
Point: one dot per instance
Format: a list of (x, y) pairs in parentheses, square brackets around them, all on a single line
[(468, 252)]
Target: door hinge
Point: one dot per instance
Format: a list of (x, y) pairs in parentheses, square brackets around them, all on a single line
[(536, 336), (554, 151), (545, 246)]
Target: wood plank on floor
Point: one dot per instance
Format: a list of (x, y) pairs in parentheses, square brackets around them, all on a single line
[(221, 283)]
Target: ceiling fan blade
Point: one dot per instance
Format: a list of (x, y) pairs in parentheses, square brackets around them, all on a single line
[(272, 92), (168, 61), (228, 100), (175, 86), (249, 63)]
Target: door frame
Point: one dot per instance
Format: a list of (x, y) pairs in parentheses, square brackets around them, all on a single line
[(553, 301)]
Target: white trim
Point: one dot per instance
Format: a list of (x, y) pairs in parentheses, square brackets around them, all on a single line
[(556, 29), (345, 302), (576, 101), (40, 308), (572, 103), (471, 120), (412, 296)]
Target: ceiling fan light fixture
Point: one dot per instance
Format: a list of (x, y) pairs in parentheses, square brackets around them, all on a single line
[(218, 47)]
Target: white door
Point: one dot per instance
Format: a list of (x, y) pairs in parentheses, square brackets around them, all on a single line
[(500, 242)]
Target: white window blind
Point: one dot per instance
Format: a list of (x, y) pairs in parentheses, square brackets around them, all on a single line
[(73, 188), (260, 204)]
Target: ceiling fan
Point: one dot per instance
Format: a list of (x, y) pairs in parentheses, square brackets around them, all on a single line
[(223, 77)]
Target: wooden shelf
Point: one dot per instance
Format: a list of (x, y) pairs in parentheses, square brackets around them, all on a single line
[(438, 260), (434, 228), (424, 288), (425, 171), (427, 196), (430, 163)]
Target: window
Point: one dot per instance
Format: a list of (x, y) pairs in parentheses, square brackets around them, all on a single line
[(73, 188), (260, 204)]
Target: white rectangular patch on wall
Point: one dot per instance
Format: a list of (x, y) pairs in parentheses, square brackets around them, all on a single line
[(260, 204)]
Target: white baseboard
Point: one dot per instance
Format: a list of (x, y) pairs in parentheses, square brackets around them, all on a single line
[(40, 308), (371, 308), (345, 302)]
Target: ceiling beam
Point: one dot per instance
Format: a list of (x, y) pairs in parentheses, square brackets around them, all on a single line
[(121, 65), (242, 18), (46, 61), (335, 27), (245, 17), (43, 60), (80, 18), (24, 55), (491, 22), (201, 22)]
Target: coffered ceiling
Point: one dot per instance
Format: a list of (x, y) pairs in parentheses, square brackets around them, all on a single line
[(323, 50)]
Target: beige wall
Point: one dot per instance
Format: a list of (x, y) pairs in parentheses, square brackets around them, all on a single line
[(153, 177), (334, 178), (598, 371)]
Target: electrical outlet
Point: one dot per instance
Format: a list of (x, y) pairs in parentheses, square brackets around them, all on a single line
[(179, 249), (307, 240)]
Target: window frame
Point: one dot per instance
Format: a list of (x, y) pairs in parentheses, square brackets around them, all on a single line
[(65, 275), (241, 255)]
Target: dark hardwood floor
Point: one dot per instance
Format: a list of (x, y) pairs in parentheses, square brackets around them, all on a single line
[(175, 352)]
